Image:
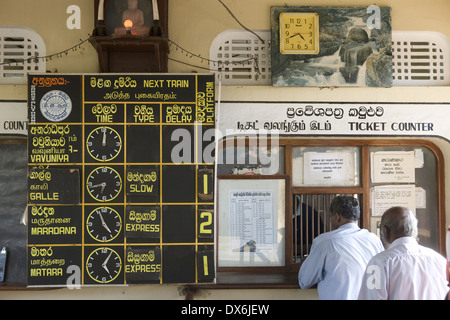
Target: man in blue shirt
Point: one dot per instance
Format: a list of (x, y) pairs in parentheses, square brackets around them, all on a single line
[(338, 258)]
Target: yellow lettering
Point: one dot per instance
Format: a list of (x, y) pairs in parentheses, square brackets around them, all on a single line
[(142, 227), (177, 83), (153, 83), (146, 268), (205, 265), (53, 230), (205, 184), (46, 272), (104, 118), (44, 196), (142, 188)]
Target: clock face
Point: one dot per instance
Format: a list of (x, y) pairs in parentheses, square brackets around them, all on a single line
[(103, 265), (103, 143), (299, 33), (104, 224), (104, 184)]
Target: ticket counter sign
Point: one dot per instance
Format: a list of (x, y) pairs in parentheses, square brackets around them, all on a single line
[(115, 195)]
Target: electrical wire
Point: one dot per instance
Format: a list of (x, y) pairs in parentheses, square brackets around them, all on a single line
[(48, 57), (188, 53), (234, 17)]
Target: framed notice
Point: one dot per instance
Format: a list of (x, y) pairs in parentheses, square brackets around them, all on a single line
[(252, 215), (393, 166), (325, 167), (329, 168)]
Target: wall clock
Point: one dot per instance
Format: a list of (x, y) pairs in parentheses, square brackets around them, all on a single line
[(103, 265), (299, 33), (316, 46), (104, 184), (104, 224), (103, 143)]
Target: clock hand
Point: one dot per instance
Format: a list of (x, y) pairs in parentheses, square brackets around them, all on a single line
[(297, 34), (103, 185), (106, 261), (97, 185), (104, 139), (103, 222)]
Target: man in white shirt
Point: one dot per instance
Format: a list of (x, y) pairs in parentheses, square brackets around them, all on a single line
[(406, 270), (338, 258)]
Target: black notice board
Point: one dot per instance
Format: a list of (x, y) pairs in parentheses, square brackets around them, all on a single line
[(117, 185), (13, 204)]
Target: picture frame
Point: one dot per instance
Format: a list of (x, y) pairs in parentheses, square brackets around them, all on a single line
[(355, 46), (252, 215)]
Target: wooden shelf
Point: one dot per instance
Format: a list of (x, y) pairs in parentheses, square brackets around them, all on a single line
[(252, 280), (131, 53)]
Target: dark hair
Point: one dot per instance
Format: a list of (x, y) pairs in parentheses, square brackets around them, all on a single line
[(347, 206)]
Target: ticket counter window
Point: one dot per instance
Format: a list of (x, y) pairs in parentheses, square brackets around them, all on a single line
[(380, 173), (408, 176), (322, 167), (389, 176)]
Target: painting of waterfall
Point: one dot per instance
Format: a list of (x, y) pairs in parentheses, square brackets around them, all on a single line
[(355, 49)]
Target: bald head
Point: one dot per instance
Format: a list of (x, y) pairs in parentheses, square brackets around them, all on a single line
[(397, 222)]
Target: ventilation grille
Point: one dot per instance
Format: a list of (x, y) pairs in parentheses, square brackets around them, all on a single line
[(18, 48), (240, 58), (419, 58)]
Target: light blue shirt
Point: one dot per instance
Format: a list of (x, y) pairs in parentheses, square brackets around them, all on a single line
[(337, 262)]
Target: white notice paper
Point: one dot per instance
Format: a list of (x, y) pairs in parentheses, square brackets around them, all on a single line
[(385, 197), (421, 198), (329, 168), (251, 221), (393, 166)]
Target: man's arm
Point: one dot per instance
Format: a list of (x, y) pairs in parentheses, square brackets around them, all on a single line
[(311, 270)]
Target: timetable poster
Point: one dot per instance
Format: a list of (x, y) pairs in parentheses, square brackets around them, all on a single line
[(119, 188)]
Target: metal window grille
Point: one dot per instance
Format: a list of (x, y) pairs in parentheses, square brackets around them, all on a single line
[(18, 48), (310, 219)]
